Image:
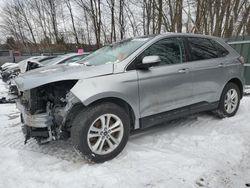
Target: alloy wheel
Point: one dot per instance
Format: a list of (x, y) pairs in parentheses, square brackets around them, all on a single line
[(231, 101), (105, 134)]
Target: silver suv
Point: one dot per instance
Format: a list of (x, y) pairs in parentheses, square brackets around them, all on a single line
[(127, 86)]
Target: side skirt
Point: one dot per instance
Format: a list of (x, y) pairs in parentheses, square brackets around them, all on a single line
[(152, 120)]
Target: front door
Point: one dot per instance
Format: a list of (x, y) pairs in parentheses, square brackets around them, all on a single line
[(168, 85)]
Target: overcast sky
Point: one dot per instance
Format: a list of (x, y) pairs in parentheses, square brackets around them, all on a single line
[(2, 2)]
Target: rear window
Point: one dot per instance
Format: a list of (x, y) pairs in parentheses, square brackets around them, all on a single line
[(202, 49)]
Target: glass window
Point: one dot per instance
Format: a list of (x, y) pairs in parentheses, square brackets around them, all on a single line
[(72, 59), (54, 60), (115, 53), (222, 52), (201, 49), (169, 50)]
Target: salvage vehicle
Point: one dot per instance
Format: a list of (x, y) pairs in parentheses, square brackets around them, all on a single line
[(12, 70), (62, 59), (127, 86)]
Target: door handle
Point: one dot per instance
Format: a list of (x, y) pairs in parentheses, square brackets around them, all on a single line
[(185, 70)]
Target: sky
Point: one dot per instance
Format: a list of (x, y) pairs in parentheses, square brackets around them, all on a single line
[(2, 2)]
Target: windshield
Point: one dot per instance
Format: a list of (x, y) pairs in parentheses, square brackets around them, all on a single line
[(114, 53)]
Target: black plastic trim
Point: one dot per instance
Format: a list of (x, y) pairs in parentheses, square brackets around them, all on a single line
[(156, 119)]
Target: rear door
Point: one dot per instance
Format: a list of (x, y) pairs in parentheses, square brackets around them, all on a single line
[(168, 85), (207, 69)]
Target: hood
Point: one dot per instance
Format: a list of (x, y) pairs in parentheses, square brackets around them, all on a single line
[(49, 74)]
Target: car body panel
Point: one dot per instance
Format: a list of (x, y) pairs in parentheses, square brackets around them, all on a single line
[(45, 75), (164, 88), (122, 86), (210, 76), (208, 79)]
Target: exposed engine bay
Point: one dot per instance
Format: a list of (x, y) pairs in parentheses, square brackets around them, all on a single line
[(43, 111)]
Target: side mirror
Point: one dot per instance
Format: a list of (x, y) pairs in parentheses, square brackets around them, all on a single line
[(149, 61)]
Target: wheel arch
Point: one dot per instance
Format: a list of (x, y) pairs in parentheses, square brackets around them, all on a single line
[(75, 108), (239, 83), (122, 103)]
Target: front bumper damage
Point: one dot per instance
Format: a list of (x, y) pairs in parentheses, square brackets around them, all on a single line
[(48, 126), (36, 126), (37, 120)]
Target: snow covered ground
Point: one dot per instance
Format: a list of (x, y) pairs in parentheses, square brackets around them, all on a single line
[(198, 151)]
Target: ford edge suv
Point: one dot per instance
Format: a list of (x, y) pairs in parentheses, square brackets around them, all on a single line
[(127, 86)]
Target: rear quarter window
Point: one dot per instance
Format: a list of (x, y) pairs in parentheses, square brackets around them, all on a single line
[(222, 52)]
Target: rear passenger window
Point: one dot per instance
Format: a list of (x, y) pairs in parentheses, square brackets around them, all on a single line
[(222, 52), (169, 50), (201, 49)]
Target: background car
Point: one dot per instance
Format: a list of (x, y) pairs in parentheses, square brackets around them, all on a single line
[(62, 59), (11, 70), (7, 65)]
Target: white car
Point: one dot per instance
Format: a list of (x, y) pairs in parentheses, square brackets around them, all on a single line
[(62, 59), (11, 70), (23, 65)]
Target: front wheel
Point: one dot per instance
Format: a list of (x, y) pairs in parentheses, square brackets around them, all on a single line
[(229, 102), (100, 132)]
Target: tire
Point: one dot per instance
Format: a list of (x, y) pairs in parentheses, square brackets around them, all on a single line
[(223, 109), (88, 123)]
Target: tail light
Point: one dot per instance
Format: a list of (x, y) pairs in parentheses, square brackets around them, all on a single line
[(241, 59)]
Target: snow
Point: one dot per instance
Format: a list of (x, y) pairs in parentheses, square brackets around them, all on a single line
[(3, 89), (198, 151)]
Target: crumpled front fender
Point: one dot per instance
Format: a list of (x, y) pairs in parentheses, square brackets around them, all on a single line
[(122, 86)]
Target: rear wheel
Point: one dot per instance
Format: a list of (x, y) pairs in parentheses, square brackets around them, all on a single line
[(229, 102), (100, 132)]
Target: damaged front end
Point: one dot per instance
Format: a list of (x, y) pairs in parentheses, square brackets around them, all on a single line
[(46, 102), (44, 111)]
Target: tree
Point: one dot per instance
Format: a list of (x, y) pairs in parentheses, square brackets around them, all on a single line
[(67, 2), (37, 22)]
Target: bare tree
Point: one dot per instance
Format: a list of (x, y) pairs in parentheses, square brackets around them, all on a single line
[(121, 19), (44, 22), (20, 7), (53, 18), (68, 4), (111, 4)]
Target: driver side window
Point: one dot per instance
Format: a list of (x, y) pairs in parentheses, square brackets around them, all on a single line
[(170, 51)]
